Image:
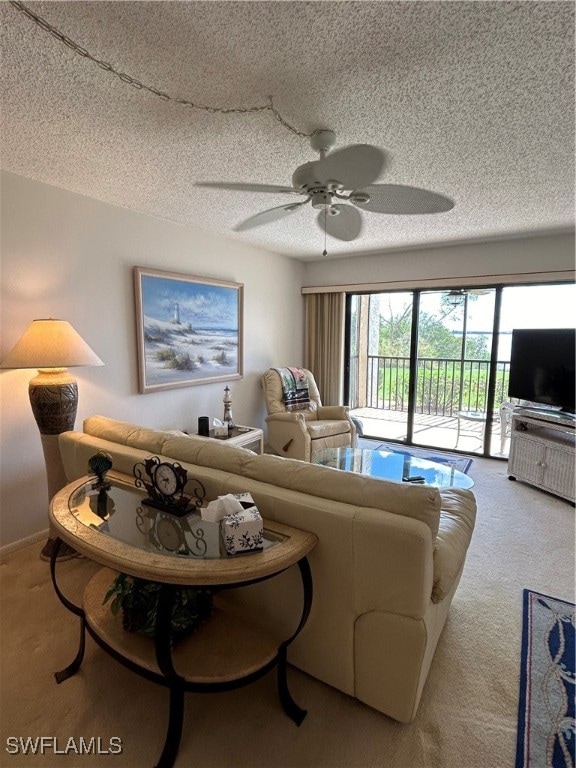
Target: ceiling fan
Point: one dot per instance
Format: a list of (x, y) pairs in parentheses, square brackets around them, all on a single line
[(461, 292), (346, 174), (457, 296)]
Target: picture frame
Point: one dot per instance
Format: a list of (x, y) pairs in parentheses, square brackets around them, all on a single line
[(189, 329)]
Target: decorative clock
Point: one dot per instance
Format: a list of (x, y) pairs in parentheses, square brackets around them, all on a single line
[(165, 483)]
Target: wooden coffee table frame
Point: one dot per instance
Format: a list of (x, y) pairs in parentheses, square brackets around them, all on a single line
[(187, 667)]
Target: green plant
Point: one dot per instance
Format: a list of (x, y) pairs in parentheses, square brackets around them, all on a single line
[(174, 360), (138, 600), (164, 354)]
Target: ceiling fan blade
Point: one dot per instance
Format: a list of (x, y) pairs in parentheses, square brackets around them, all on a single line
[(240, 187), (267, 217), (346, 224), (354, 166), (403, 200)]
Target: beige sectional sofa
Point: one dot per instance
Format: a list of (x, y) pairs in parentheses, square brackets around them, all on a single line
[(387, 565)]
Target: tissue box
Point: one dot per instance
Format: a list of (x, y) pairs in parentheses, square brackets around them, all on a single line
[(243, 531), (222, 506), (245, 499)]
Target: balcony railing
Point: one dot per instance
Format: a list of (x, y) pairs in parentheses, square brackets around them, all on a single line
[(444, 386)]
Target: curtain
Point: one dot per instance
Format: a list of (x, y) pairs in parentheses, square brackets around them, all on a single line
[(324, 343)]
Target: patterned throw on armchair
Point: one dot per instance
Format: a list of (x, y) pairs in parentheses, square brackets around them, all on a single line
[(298, 423)]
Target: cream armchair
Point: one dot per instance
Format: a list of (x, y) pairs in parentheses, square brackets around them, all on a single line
[(298, 434)]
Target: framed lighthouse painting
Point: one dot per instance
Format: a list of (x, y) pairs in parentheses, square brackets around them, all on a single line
[(189, 329)]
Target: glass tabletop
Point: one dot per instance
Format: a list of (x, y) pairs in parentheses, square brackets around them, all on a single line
[(121, 513), (393, 465)]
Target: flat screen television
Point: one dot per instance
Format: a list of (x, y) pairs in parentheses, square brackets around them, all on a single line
[(542, 367)]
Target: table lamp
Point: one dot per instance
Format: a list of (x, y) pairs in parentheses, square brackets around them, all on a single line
[(52, 346)]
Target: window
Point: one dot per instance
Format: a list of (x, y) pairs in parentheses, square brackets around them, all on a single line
[(431, 367)]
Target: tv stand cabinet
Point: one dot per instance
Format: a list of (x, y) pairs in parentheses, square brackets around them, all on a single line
[(542, 450)]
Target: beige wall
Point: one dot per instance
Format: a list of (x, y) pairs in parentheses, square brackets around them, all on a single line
[(531, 259), (71, 257)]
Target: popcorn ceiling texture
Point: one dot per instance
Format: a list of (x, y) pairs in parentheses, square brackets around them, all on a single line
[(473, 100)]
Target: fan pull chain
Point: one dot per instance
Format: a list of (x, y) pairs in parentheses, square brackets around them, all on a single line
[(325, 252), (43, 24)]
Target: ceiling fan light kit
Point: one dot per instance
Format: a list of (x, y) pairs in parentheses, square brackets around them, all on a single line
[(321, 200), (322, 141), (346, 174)]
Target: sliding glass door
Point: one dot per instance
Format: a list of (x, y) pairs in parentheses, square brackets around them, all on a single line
[(378, 366), (453, 363), (431, 368)]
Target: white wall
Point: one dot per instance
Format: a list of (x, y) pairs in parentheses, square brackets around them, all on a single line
[(530, 259), (71, 257)]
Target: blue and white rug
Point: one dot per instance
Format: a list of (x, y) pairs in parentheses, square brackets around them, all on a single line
[(546, 726)]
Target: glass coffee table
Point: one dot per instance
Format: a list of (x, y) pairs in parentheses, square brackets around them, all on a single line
[(393, 465)]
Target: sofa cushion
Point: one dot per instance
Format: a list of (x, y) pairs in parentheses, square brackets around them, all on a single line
[(179, 446), (418, 502), (122, 432), (457, 519), (76, 448), (145, 439), (228, 458)]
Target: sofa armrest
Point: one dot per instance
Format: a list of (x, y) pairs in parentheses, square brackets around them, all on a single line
[(393, 564), (457, 520)]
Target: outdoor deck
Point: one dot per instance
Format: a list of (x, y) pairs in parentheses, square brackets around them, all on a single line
[(429, 430)]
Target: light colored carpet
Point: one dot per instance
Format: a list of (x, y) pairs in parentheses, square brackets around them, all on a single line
[(467, 718)]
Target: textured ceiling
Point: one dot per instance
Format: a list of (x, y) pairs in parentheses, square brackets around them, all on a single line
[(473, 100)]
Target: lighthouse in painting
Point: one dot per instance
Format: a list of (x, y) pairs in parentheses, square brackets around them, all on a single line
[(176, 317)]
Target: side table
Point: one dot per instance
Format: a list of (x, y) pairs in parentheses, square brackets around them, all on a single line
[(227, 651), (244, 437), (476, 417)]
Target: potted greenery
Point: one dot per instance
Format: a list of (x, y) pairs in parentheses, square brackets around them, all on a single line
[(138, 600)]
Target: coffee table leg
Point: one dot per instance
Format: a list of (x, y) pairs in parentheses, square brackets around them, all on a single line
[(174, 734), (164, 660), (72, 668), (307, 586), (294, 712)]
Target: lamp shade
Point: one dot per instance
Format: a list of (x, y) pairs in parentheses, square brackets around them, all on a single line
[(50, 344)]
